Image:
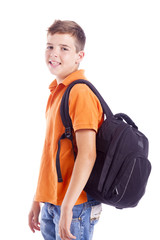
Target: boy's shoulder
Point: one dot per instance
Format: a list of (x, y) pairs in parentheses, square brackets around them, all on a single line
[(82, 93), (80, 88)]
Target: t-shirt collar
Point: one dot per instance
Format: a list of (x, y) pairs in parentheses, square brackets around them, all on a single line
[(79, 74)]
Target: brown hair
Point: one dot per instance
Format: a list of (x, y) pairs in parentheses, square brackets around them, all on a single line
[(72, 28)]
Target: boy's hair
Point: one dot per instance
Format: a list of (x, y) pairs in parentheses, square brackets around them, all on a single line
[(72, 28)]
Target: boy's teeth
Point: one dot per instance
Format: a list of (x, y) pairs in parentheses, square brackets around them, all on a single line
[(54, 63)]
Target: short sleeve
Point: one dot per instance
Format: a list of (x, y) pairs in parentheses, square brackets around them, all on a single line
[(84, 108)]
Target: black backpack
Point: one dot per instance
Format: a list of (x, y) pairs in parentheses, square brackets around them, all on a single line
[(121, 169)]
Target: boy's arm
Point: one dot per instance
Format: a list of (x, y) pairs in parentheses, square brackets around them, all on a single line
[(86, 144)]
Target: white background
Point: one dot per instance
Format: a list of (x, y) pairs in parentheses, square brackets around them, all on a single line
[(123, 62)]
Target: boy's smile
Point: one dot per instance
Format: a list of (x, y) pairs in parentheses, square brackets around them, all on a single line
[(61, 56), (54, 64)]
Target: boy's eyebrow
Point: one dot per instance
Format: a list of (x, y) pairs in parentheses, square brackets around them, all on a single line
[(49, 43), (63, 45)]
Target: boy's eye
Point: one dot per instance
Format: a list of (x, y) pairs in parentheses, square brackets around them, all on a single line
[(65, 49), (50, 47)]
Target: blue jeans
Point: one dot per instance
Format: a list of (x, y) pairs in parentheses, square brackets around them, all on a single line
[(85, 216)]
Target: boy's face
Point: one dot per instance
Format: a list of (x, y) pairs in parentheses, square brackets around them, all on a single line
[(61, 56)]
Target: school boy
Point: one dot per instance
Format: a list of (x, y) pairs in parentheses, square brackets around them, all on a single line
[(68, 211)]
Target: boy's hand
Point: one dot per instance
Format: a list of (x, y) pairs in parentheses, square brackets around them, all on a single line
[(34, 216), (65, 224)]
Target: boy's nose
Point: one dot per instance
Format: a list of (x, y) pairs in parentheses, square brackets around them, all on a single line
[(53, 54)]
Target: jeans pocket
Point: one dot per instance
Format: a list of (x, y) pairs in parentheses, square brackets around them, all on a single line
[(77, 212), (95, 213)]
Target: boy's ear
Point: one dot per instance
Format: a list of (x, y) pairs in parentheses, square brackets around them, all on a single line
[(80, 57)]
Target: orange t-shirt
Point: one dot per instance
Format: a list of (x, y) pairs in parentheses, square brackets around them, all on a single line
[(86, 113)]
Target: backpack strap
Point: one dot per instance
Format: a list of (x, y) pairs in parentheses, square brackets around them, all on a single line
[(125, 117), (68, 135), (64, 108), (67, 122)]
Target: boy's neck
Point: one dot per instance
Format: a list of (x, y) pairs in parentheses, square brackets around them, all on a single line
[(60, 80)]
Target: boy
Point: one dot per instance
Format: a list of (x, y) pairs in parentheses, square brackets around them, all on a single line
[(68, 212)]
